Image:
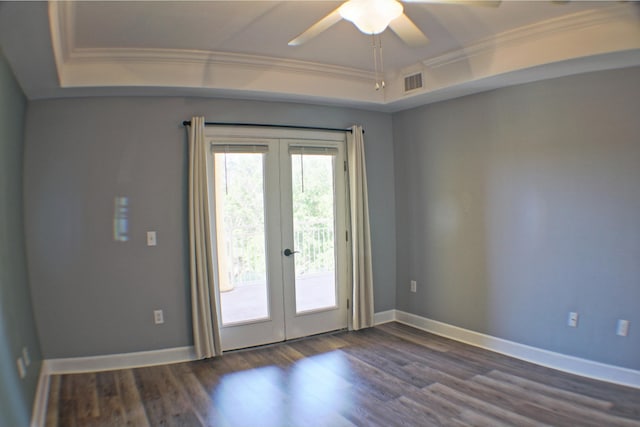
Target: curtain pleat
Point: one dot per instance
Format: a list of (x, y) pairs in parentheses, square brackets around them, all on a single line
[(361, 269), (206, 335)]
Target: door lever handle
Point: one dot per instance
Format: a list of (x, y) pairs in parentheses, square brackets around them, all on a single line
[(289, 252)]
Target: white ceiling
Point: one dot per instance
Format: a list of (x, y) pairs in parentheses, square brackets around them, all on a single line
[(239, 49)]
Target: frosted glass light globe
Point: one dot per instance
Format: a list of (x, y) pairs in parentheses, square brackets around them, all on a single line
[(371, 16)]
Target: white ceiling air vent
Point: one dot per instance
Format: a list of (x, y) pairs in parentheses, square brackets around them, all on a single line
[(412, 82)]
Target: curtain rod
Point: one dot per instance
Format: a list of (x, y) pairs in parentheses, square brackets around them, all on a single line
[(263, 125)]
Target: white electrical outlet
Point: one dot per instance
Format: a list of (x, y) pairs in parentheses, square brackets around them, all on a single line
[(25, 356), (573, 319), (623, 328), (158, 317), (151, 238), (22, 370), (414, 286)]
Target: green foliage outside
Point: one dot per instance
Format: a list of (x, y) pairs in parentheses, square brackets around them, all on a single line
[(313, 195), (244, 214)]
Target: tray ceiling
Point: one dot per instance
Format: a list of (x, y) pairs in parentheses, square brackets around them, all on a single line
[(240, 49)]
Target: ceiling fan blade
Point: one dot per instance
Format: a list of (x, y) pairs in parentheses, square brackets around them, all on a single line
[(317, 28), (484, 3), (408, 31)]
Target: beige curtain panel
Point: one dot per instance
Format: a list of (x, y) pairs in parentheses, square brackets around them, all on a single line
[(361, 270), (206, 335)]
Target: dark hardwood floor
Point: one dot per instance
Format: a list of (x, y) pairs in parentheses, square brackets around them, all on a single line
[(384, 376)]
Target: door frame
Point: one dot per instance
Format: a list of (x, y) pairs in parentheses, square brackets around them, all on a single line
[(282, 324)]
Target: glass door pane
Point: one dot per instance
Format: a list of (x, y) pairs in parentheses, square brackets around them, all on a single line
[(240, 233), (313, 198)]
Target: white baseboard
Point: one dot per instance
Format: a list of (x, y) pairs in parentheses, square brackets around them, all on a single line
[(562, 362), (550, 359), (384, 317), (74, 365), (39, 411)]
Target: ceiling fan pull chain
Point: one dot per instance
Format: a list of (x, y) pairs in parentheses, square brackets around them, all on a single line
[(378, 65), (381, 61), (375, 60)]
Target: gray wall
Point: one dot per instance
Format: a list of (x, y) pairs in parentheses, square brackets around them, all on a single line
[(17, 326), (519, 205), (513, 207), (93, 295)]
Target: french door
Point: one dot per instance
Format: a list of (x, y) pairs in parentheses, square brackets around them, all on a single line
[(279, 209)]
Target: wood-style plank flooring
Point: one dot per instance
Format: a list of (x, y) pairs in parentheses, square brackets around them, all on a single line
[(384, 376)]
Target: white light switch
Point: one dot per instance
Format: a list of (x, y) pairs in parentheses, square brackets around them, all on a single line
[(151, 238), (573, 319)]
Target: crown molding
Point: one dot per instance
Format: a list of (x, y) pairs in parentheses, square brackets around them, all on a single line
[(531, 33), (587, 41), (532, 52), (202, 57), (146, 67), (62, 19), (62, 30)]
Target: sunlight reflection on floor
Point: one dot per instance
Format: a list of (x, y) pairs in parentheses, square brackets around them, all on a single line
[(313, 391)]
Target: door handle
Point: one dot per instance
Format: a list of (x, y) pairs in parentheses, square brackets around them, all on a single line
[(289, 252)]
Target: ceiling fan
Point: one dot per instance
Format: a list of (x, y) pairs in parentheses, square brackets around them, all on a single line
[(374, 16)]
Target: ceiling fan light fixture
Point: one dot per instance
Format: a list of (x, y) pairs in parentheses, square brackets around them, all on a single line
[(371, 16)]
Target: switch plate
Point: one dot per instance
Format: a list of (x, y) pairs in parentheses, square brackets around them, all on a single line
[(158, 317), (22, 370), (151, 238), (623, 328), (414, 286), (573, 319)]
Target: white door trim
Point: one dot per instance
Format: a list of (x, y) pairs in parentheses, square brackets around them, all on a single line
[(277, 181)]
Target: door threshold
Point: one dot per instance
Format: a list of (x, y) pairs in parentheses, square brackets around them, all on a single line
[(273, 344)]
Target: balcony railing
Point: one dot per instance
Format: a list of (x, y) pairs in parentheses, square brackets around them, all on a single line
[(314, 243)]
